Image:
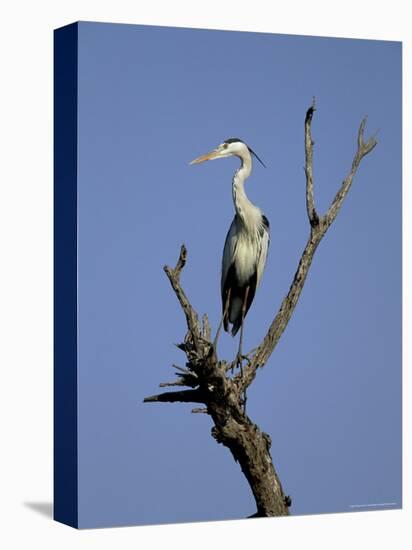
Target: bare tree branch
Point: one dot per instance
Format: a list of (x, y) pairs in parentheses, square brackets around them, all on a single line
[(200, 410), (173, 383), (363, 150), (206, 327), (184, 396), (210, 379), (190, 313), (310, 200)]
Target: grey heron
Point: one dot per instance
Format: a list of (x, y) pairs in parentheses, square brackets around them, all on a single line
[(246, 245)]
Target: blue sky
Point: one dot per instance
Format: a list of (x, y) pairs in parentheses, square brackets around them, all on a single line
[(150, 100)]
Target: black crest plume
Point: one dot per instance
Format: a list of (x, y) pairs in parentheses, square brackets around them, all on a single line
[(251, 151)]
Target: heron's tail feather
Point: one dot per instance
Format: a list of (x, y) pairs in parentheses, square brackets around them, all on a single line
[(236, 327), (235, 314)]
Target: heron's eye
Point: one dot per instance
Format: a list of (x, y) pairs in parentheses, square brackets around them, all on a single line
[(225, 145)]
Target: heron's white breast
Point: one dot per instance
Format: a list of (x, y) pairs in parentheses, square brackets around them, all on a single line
[(246, 256)]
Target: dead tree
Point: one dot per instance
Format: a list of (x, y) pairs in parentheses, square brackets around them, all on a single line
[(209, 380)]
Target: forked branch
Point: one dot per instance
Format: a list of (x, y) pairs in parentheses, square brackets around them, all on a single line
[(362, 151)]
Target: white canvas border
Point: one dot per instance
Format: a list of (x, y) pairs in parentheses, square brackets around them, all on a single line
[(26, 274)]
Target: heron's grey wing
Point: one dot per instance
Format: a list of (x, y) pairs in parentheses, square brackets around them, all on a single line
[(228, 254), (228, 269), (264, 247)]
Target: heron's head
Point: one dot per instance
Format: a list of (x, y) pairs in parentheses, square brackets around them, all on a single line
[(233, 147)]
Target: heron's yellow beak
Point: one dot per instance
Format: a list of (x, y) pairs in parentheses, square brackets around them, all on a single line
[(209, 156)]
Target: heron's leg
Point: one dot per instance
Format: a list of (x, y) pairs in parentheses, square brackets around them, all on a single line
[(239, 358), (239, 353), (221, 320)]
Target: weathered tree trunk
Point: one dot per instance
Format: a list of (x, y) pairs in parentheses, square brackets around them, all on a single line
[(251, 448), (210, 379)]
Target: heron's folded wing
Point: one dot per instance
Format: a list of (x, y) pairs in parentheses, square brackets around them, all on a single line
[(264, 247), (228, 254)]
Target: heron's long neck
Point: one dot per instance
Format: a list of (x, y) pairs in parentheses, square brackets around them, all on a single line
[(244, 208)]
